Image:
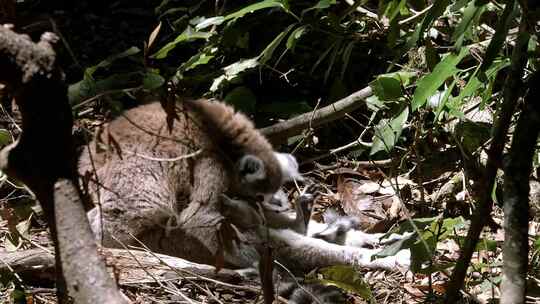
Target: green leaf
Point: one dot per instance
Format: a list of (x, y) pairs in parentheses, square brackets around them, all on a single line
[(232, 71), (207, 22), (436, 10), (386, 88), (152, 81), (429, 84), (397, 246), (188, 35), (197, 59), (448, 227), (322, 4), (474, 84), (387, 133), (255, 7), (469, 15), (243, 99), (374, 103), (393, 8), (5, 137), (295, 36), (347, 278)]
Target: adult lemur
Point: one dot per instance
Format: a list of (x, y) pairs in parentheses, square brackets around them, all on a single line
[(163, 186)]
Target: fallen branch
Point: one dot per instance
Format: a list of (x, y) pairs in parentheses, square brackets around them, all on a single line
[(130, 266), (294, 126)]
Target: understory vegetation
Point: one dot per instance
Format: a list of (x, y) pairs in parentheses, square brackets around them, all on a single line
[(411, 115)]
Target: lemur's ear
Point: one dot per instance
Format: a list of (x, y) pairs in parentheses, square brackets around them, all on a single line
[(251, 169), (289, 167)]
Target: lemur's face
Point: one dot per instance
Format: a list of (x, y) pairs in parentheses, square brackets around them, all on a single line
[(254, 179), (337, 228)]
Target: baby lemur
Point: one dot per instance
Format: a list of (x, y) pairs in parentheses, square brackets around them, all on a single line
[(273, 223), (336, 242), (163, 186)]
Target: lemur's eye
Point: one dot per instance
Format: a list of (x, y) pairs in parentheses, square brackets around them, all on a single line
[(259, 198)]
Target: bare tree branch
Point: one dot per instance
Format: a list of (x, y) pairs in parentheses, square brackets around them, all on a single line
[(332, 112)]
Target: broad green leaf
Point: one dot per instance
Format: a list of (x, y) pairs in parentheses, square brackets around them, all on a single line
[(152, 81), (429, 84), (448, 227), (436, 10), (395, 247), (201, 58), (347, 278), (457, 5), (393, 8), (469, 15), (386, 88), (188, 35), (324, 4), (374, 103), (207, 22), (295, 36), (243, 99), (5, 137), (232, 71), (387, 133), (255, 7), (472, 135)]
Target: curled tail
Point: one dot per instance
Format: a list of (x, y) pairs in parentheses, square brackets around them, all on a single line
[(237, 139)]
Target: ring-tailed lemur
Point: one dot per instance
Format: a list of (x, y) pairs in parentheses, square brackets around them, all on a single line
[(163, 182)]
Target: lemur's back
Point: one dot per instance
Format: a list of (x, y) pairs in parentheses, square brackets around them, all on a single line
[(169, 202)]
